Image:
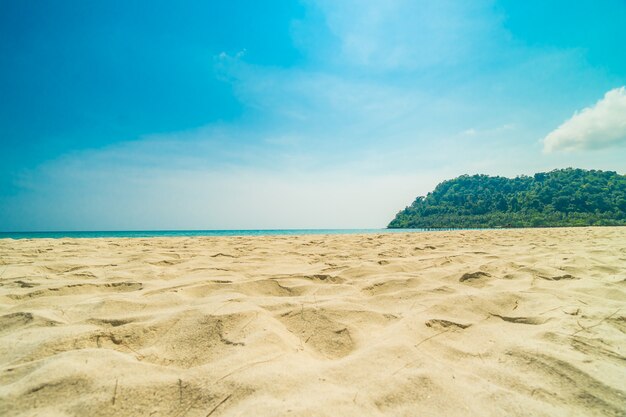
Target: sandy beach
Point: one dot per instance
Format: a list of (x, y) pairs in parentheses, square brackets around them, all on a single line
[(528, 322)]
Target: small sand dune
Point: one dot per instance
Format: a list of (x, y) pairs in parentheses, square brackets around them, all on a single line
[(465, 323)]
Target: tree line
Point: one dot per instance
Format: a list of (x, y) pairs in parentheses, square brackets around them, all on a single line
[(563, 197)]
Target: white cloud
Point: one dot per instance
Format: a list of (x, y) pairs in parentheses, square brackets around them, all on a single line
[(498, 130), (405, 34), (600, 126)]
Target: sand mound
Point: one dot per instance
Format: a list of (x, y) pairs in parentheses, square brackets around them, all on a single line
[(482, 323)]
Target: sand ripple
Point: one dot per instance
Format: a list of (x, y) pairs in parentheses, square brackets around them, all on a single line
[(472, 323)]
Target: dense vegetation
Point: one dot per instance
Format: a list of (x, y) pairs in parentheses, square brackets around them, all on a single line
[(565, 197)]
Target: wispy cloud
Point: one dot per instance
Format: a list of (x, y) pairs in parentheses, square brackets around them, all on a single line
[(405, 35), (486, 132), (602, 125)]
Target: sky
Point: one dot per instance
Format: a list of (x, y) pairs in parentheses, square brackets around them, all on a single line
[(136, 115)]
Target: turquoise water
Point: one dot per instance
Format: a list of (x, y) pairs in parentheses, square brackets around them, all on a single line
[(188, 233)]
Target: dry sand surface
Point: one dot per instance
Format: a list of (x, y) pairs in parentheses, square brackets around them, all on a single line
[(464, 323)]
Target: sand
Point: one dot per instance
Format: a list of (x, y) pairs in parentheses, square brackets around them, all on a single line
[(466, 323)]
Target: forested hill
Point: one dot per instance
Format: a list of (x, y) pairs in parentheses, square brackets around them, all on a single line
[(564, 197)]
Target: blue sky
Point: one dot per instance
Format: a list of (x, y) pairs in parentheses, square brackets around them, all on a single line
[(279, 114)]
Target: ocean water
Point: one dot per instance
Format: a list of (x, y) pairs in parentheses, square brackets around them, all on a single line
[(189, 233)]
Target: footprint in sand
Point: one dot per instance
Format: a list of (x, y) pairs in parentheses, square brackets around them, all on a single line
[(14, 321), (445, 324), (522, 320), (320, 332), (187, 339), (471, 276), (558, 278)]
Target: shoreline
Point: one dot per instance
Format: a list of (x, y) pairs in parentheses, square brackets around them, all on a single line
[(142, 234)]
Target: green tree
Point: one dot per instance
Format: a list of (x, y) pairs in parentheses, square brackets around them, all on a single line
[(565, 197)]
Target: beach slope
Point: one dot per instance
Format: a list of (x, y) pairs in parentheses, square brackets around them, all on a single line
[(462, 323)]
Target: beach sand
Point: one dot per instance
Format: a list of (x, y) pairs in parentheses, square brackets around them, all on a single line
[(528, 322)]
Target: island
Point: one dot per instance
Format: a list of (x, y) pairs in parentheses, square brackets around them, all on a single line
[(562, 197)]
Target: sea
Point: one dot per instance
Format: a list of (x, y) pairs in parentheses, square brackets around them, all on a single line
[(192, 233)]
